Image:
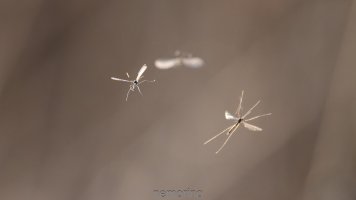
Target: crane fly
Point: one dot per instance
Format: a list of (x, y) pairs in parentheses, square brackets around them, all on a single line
[(179, 59), (134, 83), (239, 119)]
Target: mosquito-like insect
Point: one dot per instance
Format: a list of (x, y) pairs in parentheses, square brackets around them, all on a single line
[(238, 120), (179, 59), (134, 83)]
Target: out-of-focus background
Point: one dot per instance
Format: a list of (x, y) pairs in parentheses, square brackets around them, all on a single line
[(66, 131)]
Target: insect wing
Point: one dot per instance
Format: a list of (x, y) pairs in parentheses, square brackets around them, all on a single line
[(119, 79), (229, 116), (166, 63), (142, 70), (252, 127), (193, 62)]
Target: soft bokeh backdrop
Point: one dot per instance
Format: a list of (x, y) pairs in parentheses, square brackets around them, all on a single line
[(66, 131)]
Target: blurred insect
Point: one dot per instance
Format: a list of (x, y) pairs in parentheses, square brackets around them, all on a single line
[(179, 59), (134, 83), (238, 120)]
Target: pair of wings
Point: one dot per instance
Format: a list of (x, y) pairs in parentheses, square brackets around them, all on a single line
[(250, 127), (168, 63)]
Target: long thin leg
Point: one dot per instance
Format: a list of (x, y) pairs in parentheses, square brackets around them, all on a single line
[(227, 139), (147, 81), (258, 116), (249, 111), (127, 95), (139, 90), (232, 129), (218, 135), (239, 107)]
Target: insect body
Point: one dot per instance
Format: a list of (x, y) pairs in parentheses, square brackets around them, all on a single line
[(179, 59), (238, 120), (134, 83)]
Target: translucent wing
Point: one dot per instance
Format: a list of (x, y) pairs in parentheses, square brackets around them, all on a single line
[(166, 63), (193, 62), (229, 116), (251, 127), (119, 79), (142, 70)]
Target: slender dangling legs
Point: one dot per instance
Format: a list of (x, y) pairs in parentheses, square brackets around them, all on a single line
[(218, 134)]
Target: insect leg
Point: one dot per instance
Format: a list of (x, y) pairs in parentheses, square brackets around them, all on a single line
[(232, 129), (218, 135), (227, 139), (249, 111), (139, 90), (238, 111), (147, 81), (127, 95), (258, 116)]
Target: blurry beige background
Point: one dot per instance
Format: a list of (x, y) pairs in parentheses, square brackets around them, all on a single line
[(66, 131)]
